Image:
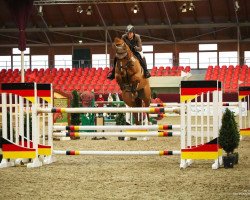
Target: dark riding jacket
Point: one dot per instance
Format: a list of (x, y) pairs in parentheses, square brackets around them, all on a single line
[(135, 44)]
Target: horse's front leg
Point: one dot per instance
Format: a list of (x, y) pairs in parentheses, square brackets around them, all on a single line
[(135, 85), (136, 80), (134, 88), (119, 81)]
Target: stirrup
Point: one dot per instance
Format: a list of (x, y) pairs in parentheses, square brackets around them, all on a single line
[(111, 76)]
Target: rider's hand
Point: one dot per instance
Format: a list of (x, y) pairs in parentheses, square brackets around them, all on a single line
[(131, 47)]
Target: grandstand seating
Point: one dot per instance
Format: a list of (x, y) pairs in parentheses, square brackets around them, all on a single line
[(230, 76), (169, 71), (81, 79)]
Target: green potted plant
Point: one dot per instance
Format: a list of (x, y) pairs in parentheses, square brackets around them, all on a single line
[(229, 137), (75, 117), (120, 120)]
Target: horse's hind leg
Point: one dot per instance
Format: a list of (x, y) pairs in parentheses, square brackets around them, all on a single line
[(147, 97), (138, 103)]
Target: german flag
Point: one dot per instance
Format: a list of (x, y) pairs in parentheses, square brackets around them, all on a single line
[(243, 92), (245, 132), (13, 151), (25, 90), (191, 89), (42, 149), (44, 92), (210, 150)]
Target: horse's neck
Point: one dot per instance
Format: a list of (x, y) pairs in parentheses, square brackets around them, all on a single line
[(130, 54)]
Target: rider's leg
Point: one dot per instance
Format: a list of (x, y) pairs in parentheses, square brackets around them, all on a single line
[(143, 64), (146, 72), (111, 75)]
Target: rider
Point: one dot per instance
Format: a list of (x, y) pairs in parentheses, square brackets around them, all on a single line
[(134, 42)]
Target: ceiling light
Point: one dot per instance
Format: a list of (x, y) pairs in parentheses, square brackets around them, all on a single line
[(40, 10), (183, 8), (89, 10), (80, 41), (79, 9), (135, 9), (236, 5), (191, 7)]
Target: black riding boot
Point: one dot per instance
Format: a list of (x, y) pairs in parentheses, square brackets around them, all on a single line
[(144, 66), (111, 75)]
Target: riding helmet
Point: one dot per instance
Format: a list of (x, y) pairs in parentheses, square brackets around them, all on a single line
[(130, 28)]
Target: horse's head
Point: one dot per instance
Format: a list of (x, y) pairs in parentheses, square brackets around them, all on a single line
[(121, 48)]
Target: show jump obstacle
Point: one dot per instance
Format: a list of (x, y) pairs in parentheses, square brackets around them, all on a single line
[(21, 101), (30, 100), (244, 96)]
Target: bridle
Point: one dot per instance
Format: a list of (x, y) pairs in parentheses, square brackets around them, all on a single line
[(121, 53)]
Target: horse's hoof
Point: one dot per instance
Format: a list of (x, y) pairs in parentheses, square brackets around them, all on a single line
[(177, 111), (134, 95)]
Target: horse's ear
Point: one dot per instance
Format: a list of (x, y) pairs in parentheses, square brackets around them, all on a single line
[(117, 40)]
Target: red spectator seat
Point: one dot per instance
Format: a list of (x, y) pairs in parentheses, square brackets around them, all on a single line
[(187, 69)]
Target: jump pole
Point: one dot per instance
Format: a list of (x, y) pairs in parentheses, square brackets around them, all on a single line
[(116, 128), (192, 103), (107, 110), (118, 134), (164, 115), (117, 153)]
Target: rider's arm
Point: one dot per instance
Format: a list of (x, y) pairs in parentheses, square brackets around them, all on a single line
[(138, 47)]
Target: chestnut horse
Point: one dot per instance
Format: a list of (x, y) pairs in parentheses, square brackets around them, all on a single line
[(129, 75)]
